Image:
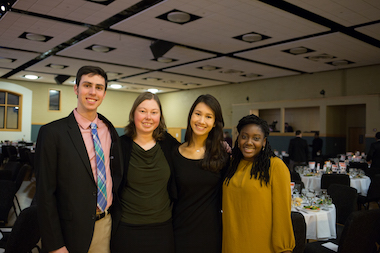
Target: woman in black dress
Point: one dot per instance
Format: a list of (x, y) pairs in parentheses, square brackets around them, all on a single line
[(145, 210), (198, 165)]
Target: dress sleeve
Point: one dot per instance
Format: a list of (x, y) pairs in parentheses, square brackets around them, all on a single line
[(282, 231)]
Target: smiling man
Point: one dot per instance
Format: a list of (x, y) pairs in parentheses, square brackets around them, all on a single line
[(78, 169)]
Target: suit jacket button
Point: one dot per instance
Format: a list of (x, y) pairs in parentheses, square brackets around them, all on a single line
[(94, 193), (93, 216)]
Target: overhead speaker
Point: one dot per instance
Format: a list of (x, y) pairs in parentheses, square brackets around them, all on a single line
[(160, 47), (60, 79)]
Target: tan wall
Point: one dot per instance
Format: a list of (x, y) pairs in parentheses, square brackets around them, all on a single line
[(300, 89), (116, 105)]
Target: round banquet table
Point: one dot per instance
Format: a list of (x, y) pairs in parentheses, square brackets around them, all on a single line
[(360, 184), (320, 225)]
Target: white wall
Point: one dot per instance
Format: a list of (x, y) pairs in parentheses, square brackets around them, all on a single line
[(26, 117)]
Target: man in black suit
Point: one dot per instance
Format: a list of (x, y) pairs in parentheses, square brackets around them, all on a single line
[(316, 146), (373, 155), (70, 216), (298, 151)]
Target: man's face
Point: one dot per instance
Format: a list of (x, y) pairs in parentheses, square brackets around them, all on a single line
[(90, 92)]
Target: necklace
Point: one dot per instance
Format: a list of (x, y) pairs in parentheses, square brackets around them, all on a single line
[(199, 150)]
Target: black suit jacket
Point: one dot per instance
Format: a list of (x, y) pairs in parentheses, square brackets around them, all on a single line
[(374, 154), (298, 150), (66, 189)]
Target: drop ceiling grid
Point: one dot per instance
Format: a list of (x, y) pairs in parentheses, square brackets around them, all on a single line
[(75, 64), (170, 76), (21, 57), (4, 71), (45, 78), (348, 48), (226, 63), (355, 50), (129, 50), (274, 55), (231, 23), (141, 88), (346, 13), (60, 32), (77, 10), (370, 30)]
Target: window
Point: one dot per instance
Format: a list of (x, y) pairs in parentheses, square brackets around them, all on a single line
[(54, 100), (10, 111)]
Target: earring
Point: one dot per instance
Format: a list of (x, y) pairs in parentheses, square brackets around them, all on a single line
[(263, 148)]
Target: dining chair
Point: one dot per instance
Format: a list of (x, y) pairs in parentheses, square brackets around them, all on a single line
[(328, 179), (358, 236), (6, 200), (25, 232), (299, 229), (294, 176), (345, 200), (373, 194)]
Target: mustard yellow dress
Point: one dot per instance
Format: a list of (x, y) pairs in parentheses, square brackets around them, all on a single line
[(257, 218)]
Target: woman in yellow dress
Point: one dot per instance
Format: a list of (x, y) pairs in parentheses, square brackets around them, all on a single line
[(256, 195)]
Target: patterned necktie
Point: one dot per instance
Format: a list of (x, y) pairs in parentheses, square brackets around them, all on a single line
[(101, 169)]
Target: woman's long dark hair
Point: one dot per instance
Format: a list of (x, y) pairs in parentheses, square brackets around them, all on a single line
[(215, 154), (261, 164), (130, 129)]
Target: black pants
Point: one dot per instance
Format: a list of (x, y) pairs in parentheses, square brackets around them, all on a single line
[(143, 238)]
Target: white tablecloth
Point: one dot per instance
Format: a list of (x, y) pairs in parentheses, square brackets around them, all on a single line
[(360, 184), (320, 225)]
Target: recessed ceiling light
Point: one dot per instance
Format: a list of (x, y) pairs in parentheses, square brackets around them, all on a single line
[(340, 63), (6, 60), (251, 37), (101, 49), (152, 79), (3, 8), (35, 37), (164, 59), (231, 71), (32, 77), (298, 50), (56, 66), (116, 86), (112, 74), (209, 67), (153, 90), (252, 75), (178, 17), (320, 57), (192, 84)]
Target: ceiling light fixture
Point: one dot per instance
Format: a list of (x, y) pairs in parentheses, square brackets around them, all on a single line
[(231, 71), (298, 50), (209, 67), (112, 74), (116, 86), (100, 49), (340, 63), (252, 75), (252, 37), (35, 37), (6, 60), (192, 84), (31, 77), (56, 66), (164, 59), (153, 90), (178, 17), (152, 79)]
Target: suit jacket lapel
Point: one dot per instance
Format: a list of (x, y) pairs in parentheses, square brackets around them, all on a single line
[(77, 140)]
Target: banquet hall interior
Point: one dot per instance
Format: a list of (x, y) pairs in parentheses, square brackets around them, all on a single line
[(312, 64)]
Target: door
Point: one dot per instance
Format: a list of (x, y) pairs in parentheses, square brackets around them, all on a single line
[(356, 139)]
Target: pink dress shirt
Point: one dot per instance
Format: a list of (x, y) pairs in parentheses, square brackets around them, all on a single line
[(105, 140)]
